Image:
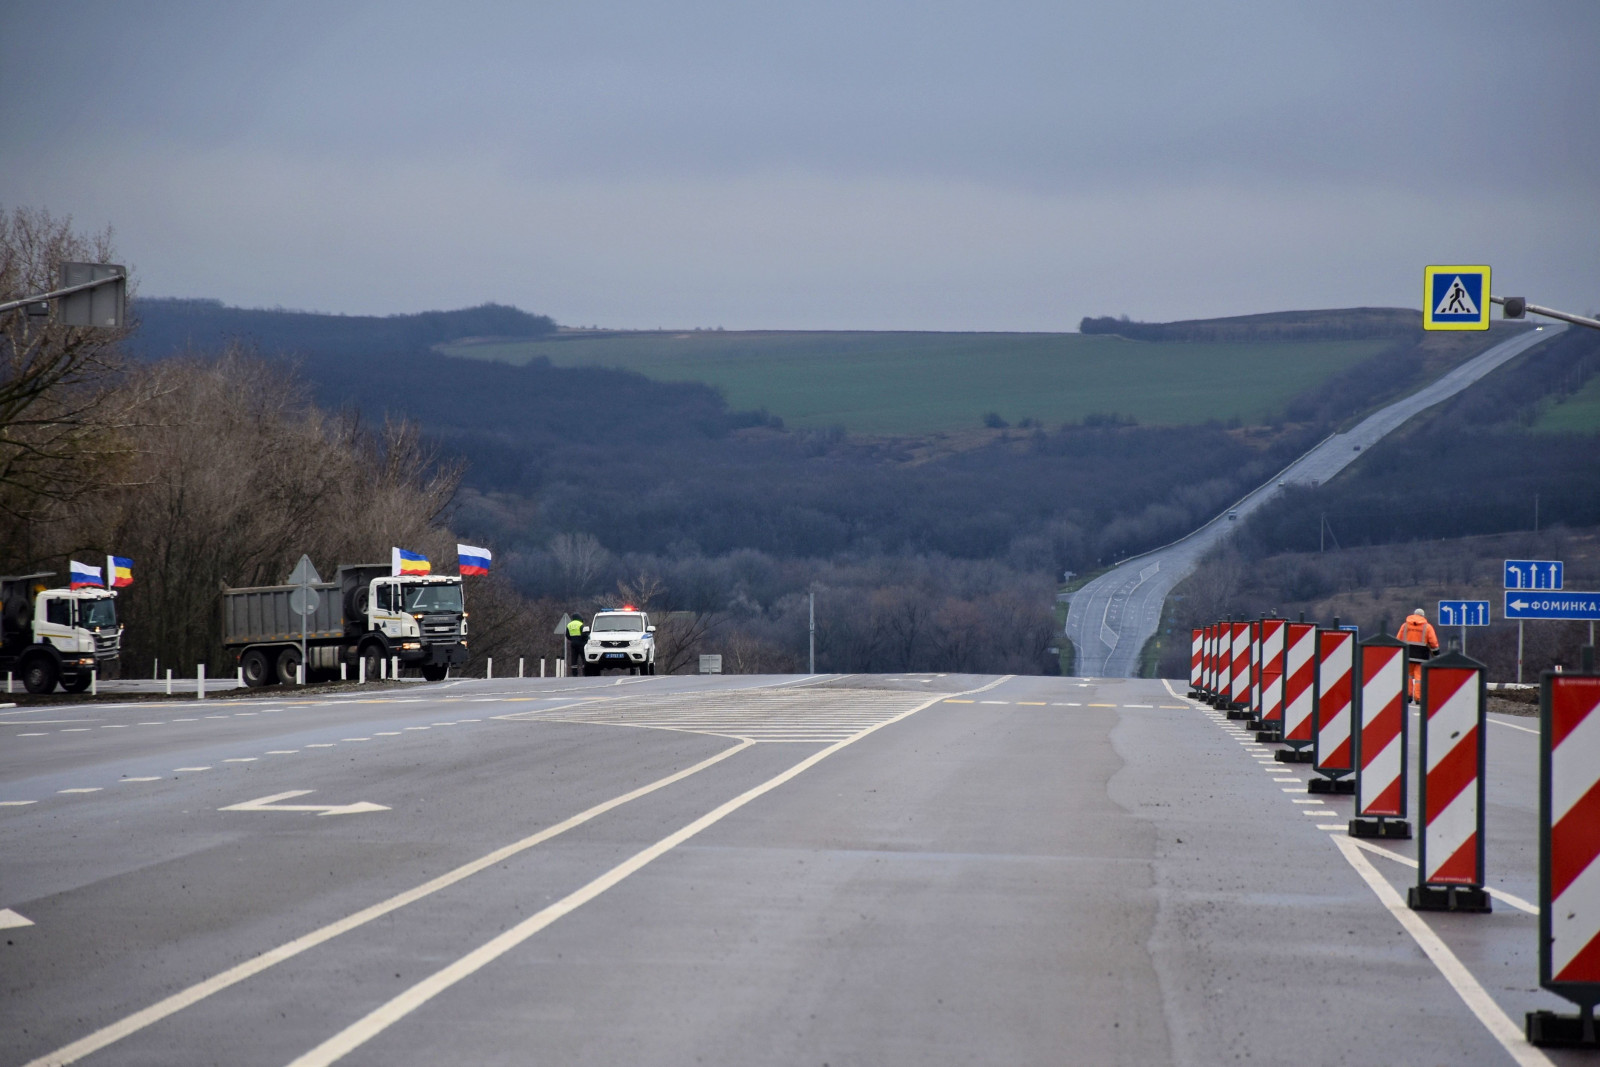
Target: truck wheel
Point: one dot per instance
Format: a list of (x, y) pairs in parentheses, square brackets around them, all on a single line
[(77, 684), (288, 660), (257, 671), (372, 654), (435, 672), (39, 675)]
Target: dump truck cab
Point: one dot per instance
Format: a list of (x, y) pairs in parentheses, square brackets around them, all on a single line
[(50, 636)]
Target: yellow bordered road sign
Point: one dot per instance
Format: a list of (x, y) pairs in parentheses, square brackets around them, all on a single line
[(1455, 298)]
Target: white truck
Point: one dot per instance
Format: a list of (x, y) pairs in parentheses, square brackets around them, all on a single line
[(367, 614), (620, 639), (50, 636)]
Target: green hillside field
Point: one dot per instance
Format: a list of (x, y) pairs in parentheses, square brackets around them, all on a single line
[(911, 383), (1578, 413)]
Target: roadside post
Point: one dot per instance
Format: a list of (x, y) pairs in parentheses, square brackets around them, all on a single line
[(1333, 709), (1451, 753), (1254, 699), (1382, 732), (303, 602), (1270, 686), (1569, 854), (1299, 691)]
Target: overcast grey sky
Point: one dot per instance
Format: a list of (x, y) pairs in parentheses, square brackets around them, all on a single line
[(927, 165)]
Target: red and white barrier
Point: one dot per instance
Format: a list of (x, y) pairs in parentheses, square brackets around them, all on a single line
[(1299, 676), (1569, 855), (1255, 670), (1382, 732), (1334, 749), (1453, 747), (1270, 675), (1239, 691), (1196, 656), (1211, 660)]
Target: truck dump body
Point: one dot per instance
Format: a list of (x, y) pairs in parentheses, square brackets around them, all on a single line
[(263, 614)]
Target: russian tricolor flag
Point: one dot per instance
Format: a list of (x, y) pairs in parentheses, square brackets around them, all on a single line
[(473, 560), (84, 575), (405, 562), (120, 570)]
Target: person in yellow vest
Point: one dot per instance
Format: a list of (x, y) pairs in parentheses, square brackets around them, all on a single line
[(575, 642), (1417, 634)]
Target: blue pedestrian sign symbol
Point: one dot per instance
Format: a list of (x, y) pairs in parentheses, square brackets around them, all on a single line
[(1463, 613), (1563, 605), (1455, 298), (1534, 573)]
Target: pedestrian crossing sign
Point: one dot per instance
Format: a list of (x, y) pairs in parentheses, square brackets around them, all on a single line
[(1455, 298)]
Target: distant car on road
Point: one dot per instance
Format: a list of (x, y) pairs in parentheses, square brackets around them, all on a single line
[(1232, 515)]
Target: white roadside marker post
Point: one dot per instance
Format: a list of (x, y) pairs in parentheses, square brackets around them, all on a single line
[(200, 681), (169, 681)]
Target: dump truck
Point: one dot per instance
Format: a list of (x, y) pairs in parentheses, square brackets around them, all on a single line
[(57, 636), (367, 614)]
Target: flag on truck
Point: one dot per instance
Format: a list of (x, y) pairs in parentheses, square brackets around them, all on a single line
[(119, 571), (405, 562), (473, 560), (84, 575)]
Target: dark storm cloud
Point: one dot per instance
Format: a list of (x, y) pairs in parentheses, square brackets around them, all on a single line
[(849, 164)]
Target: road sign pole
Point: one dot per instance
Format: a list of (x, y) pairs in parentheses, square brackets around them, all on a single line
[(1519, 651)]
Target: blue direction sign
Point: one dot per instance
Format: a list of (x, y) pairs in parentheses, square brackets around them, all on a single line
[(1455, 298), (1534, 573), (1562, 605), (1463, 613)]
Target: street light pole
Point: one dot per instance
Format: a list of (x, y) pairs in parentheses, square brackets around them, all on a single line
[(1517, 307), (812, 596)]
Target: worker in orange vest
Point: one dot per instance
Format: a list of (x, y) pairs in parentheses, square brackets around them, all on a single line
[(1417, 634)]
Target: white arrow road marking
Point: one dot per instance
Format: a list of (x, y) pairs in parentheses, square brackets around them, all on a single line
[(271, 804), (9, 918)]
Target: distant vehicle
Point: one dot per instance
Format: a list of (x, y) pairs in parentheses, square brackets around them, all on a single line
[(367, 614), (624, 639), (57, 635), (1357, 448), (1280, 481), (1232, 515)]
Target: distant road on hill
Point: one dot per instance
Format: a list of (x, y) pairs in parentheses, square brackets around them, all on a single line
[(1110, 619)]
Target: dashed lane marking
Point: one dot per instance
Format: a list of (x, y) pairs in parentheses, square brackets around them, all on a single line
[(960, 701), (188, 770), (282, 751), (153, 778), (81, 789), (16, 803), (1320, 814)]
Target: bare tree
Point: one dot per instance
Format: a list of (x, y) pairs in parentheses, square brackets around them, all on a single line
[(60, 420), (579, 557)]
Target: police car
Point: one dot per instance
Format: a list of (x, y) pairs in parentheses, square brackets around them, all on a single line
[(620, 639)]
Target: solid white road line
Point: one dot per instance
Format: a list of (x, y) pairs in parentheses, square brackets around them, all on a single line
[(1499, 894), (381, 1018), (1514, 726), (132, 1024), (1454, 971), (10, 919)]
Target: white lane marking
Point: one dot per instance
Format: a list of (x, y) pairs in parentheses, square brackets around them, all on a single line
[(185, 720), (241, 759), (44, 733), (1331, 826), (323, 744), (1138, 705), (416, 727), (132, 1024), (282, 751), (994, 701), (216, 716), (75, 729), (1499, 894), (81, 789), (151, 779), (1501, 1028), (272, 804), (1514, 726), (387, 733), (10, 919), (179, 770), (115, 726), (386, 1015), (16, 803), (471, 720), (1318, 802), (355, 739), (1301, 781), (1319, 814)]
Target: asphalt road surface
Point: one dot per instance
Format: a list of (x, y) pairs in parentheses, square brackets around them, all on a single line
[(918, 869), (1110, 619)]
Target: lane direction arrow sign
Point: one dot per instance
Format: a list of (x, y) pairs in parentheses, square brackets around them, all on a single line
[(1534, 573), (9, 919), (272, 803), (1563, 605), (1463, 613)]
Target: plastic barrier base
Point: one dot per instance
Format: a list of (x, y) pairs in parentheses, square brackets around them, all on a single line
[(1346, 786), (1269, 736), (1448, 898), (1299, 755), (1238, 713), (1549, 1030), (1394, 828)]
